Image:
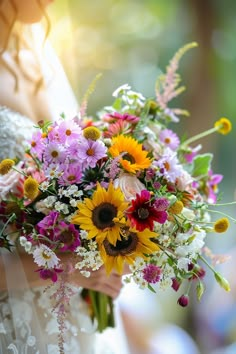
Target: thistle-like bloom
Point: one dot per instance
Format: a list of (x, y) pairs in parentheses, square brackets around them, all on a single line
[(152, 273), (31, 188), (142, 213), (131, 245), (133, 157), (102, 215)]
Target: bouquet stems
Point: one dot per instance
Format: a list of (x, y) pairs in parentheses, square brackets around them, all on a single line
[(101, 308)]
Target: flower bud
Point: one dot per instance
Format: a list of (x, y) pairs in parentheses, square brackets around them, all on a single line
[(200, 290), (183, 300), (222, 281), (175, 284)]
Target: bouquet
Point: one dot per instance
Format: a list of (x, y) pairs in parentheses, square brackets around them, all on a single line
[(120, 188)]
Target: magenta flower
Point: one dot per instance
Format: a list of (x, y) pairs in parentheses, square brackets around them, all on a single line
[(46, 227), (111, 117), (212, 186), (152, 273), (169, 139), (190, 156), (91, 151), (183, 300), (71, 175), (46, 273), (68, 236)]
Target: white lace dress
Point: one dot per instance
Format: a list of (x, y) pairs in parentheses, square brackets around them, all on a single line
[(27, 324)]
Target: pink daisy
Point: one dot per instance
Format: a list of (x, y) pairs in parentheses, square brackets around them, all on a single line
[(91, 151), (169, 139), (71, 175)]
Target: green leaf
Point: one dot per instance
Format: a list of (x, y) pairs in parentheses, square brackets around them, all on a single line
[(151, 288), (201, 165)]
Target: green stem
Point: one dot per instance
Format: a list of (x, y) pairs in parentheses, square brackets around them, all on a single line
[(207, 264), (224, 214), (200, 135)]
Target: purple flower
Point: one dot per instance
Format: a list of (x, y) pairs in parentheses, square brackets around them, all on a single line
[(68, 130), (212, 184), (161, 204), (71, 175), (169, 166), (54, 153), (152, 273), (37, 144), (91, 151), (169, 139), (190, 156)]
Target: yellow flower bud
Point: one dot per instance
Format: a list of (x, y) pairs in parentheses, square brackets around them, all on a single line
[(31, 188), (5, 166), (223, 125), (176, 208), (221, 225), (92, 133)]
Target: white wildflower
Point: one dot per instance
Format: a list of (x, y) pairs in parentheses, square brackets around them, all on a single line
[(44, 256)]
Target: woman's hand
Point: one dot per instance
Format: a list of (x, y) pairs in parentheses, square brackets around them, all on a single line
[(99, 281)]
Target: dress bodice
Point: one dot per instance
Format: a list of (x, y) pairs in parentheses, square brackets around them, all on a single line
[(15, 130)]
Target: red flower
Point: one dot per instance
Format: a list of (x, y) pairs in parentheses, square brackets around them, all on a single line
[(143, 212)]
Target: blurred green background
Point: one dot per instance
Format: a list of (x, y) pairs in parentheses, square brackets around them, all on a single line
[(132, 41)]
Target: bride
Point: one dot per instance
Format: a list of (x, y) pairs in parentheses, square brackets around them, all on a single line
[(33, 86)]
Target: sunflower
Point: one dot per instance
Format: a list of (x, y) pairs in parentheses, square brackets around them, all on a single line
[(133, 157), (132, 244), (103, 214)]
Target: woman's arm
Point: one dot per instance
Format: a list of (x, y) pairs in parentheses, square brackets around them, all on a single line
[(98, 280)]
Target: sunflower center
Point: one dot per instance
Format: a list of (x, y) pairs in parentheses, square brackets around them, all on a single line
[(126, 245), (103, 215), (90, 152), (54, 153), (143, 213), (128, 157)]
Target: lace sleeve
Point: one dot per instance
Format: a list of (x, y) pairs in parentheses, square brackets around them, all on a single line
[(15, 130)]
